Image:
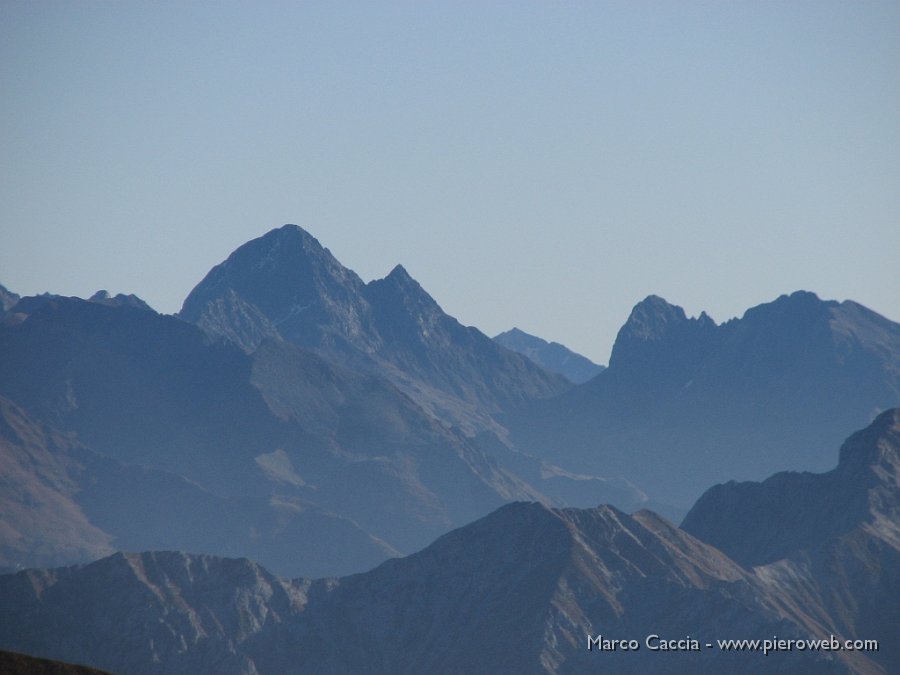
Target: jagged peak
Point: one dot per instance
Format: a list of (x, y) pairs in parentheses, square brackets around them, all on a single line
[(877, 444), (401, 281), (651, 313), (291, 237), (399, 273), (797, 304), (519, 334), (276, 271), (103, 297)]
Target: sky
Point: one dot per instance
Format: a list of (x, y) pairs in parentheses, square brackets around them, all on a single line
[(544, 165)]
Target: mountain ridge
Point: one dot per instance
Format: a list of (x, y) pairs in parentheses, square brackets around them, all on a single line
[(519, 590), (777, 389), (286, 284), (553, 356)]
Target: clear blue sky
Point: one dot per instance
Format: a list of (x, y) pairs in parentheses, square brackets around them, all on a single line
[(538, 164)]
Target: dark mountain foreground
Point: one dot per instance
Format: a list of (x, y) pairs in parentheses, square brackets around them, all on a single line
[(518, 591), (12, 663)]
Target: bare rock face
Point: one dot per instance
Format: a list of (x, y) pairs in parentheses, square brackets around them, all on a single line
[(687, 403), (286, 284), (187, 442), (151, 612), (861, 492), (519, 591)]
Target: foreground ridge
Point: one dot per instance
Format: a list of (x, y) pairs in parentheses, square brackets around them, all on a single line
[(520, 590)]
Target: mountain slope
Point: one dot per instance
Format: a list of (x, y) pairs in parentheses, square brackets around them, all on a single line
[(286, 283), (264, 451), (518, 591), (863, 491), (686, 403), (550, 355)]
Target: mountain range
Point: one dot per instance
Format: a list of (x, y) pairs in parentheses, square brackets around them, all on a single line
[(519, 591), (272, 457), (124, 420), (286, 285), (262, 451), (686, 403)]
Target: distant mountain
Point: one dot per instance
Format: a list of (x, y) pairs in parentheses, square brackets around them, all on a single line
[(286, 285), (265, 452), (550, 355), (119, 300), (519, 591), (686, 403), (64, 503)]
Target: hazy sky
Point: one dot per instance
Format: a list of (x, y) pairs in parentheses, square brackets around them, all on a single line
[(538, 164)]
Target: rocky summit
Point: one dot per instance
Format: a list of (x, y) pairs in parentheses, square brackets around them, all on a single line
[(687, 403), (285, 285)]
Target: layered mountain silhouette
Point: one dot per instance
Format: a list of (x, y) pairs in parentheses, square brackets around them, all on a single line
[(286, 285), (183, 442), (553, 356), (518, 591), (686, 402)]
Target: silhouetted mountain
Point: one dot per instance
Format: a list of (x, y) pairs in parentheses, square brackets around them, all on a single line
[(286, 284), (550, 355), (265, 453), (686, 403), (119, 300), (518, 591), (301, 289)]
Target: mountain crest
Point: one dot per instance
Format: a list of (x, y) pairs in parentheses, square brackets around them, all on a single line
[(553, 356), (876, 447), (294, 283), (659, 339)]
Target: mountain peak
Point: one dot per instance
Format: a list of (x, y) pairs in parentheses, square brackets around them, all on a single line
[(283, 243), (400, 275), (103, 297), (398, 289), (656, 327), (399, 271), (553, 356), (291, 231), (878, 445), (798, 307), (288, 277), (651, 318)]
